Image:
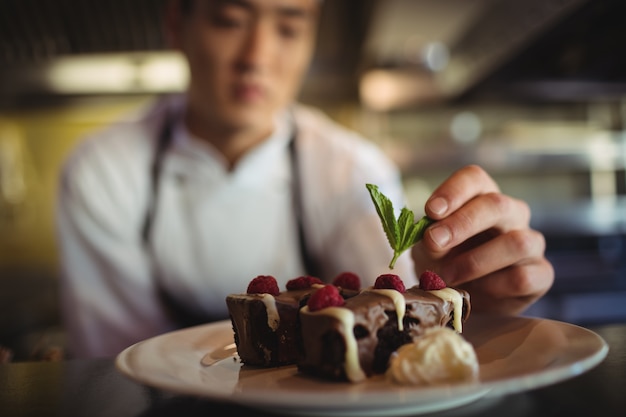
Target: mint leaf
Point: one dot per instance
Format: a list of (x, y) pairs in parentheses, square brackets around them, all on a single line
[(402, 233)]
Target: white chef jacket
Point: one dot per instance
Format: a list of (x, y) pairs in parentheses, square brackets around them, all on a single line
[(214, 229)]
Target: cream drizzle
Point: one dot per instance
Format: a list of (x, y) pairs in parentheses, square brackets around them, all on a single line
[(273, 319), (398, 301), (352, 366), (453, 296)]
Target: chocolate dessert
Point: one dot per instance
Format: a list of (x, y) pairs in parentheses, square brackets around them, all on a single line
[(266, 322), (339, 332), (266, 327), (354, 341)]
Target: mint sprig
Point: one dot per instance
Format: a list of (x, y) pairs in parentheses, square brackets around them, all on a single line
[(403, 232)]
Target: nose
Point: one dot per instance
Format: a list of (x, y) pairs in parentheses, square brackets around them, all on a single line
[(257, 48)]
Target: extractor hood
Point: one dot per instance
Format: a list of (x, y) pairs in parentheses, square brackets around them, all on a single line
[(509, 49)]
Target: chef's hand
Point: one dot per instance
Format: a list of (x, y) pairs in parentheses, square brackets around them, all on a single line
[(482, 242)]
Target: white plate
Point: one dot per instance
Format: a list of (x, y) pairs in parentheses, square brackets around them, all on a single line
[(515, 354)]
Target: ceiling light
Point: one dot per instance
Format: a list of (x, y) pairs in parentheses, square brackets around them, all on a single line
[(117, 73)]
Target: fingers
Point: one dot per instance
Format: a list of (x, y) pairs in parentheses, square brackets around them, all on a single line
[(468, 203), (482, 255), (511, 290), (460, 187), (518, 247), (505, 273), (488, 211)]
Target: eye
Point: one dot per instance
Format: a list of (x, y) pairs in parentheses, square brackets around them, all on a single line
[(222, 20), (289, 31), (227, 16), (293, 27)]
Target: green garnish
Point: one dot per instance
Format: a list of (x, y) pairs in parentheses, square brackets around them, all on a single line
[(403, 232)]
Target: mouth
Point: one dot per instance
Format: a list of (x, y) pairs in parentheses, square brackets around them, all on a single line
[(249, 93)]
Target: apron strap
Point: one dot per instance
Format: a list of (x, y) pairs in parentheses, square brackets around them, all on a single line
[(164, 141), (176, 311)]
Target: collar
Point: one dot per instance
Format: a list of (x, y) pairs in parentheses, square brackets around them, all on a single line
[(187, 144)]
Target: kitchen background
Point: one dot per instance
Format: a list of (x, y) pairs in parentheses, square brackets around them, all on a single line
[(534, 91)]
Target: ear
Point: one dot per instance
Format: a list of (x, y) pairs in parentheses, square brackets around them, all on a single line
[(172, 23)]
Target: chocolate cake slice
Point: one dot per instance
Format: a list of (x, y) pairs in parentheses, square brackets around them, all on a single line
[(266, 327), (354, 341), (266, 322)]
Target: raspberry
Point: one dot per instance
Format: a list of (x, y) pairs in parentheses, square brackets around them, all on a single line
[(327, 296), (389, 281), (348, 281), (303, 282), (429, 281), (263, 284)]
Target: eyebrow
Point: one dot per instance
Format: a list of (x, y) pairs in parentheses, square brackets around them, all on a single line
[(282, 10)]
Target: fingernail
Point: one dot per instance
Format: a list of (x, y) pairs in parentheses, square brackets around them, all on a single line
[(438, 205), (440, 235)]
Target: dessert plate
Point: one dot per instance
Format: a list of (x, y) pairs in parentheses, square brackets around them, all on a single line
[(515, 354)]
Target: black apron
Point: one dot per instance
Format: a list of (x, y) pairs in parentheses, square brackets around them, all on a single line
[(181, 315)]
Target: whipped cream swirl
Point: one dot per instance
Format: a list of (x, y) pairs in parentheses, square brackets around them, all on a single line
[(439, 356)]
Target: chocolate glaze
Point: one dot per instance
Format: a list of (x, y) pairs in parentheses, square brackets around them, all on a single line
[(375, 330), (257, 343)]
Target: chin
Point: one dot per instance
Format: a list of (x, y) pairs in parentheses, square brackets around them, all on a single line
[(251, 117)]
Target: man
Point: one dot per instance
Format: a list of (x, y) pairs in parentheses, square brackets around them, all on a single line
[(158, 221)]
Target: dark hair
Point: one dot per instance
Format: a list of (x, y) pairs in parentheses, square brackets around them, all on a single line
[(185, 6)]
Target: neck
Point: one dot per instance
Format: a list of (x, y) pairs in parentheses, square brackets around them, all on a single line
[(233, 142)]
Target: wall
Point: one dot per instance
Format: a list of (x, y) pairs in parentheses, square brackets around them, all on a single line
[(33, 145)]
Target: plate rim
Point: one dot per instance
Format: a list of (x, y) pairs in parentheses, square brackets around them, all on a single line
[(441, 395)]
